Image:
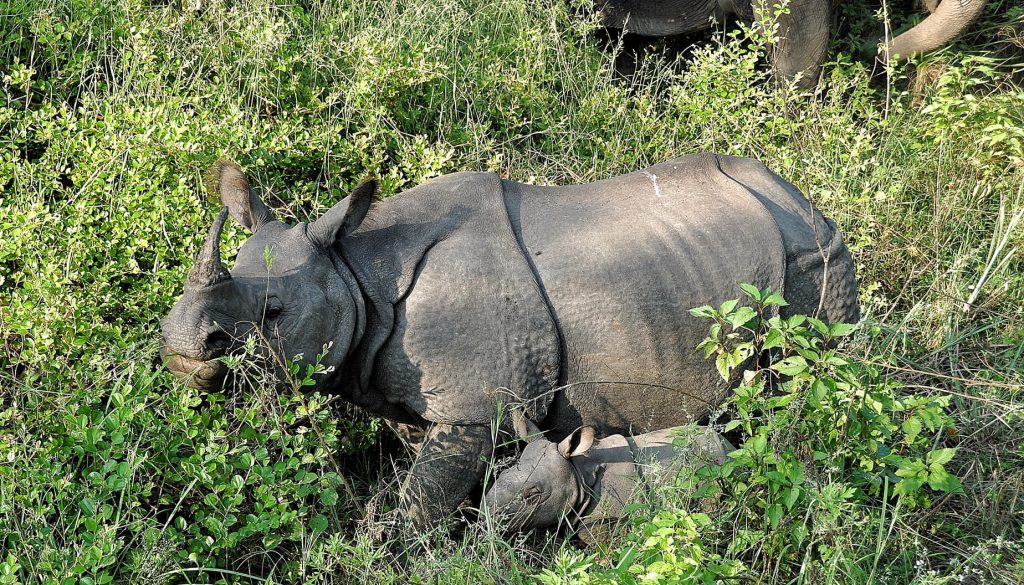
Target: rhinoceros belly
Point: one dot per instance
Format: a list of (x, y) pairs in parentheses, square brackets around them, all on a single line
[(622, 261)]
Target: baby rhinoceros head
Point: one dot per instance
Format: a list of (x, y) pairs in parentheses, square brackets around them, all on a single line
[(289, 289), (542, 487)]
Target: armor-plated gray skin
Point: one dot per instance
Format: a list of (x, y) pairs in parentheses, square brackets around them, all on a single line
[(575, 299), (803, 28), (585, 483)]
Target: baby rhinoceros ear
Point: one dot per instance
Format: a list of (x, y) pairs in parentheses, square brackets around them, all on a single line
[(343, 219), (578, 443), (226, 182)]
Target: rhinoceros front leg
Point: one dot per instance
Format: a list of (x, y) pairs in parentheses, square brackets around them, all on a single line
[(451, 462)]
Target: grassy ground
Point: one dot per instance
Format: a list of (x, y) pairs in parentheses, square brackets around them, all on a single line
[(112, 472)]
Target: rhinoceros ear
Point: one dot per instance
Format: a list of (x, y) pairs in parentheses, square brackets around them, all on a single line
[(524, 427), (226, 182), (342, 219), (578, 443)]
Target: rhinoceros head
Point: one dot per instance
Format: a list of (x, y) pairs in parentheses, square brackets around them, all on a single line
[(288, 289), (541, 488)]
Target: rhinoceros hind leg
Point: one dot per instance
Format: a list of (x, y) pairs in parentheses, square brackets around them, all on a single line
[(452, 461)]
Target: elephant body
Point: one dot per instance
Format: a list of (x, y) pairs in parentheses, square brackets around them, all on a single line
[(573, 302), (803, 26)]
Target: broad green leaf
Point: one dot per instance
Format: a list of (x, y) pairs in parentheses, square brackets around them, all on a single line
[(318, 523), (774, 515), (792, 495), (818, 325), (908, 485), (742, 316), (911, 428), (796, 320), (752, 291), (942, 481), (941, 456), (841, 329), (728, 306), (791, 366), (773, 339), (704, 311), (722, 365), (329, 497)]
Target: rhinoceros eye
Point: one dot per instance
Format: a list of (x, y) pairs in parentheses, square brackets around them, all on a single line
[(531, 490)]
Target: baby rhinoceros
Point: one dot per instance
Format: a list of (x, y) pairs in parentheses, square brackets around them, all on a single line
[(585, 482)]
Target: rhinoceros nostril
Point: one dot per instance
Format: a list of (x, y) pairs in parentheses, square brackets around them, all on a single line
[(217, 342)]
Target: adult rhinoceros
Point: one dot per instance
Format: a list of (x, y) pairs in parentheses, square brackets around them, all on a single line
[(575, 299), (803, 26)]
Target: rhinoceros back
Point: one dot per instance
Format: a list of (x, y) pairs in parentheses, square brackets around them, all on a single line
[(622, 261)]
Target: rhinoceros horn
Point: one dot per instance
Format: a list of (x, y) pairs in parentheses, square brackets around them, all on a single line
[(208, 269)]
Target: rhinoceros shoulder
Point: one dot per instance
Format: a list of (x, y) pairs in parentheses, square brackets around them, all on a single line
[(471, 327)]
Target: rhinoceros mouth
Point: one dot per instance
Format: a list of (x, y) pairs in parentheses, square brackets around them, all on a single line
[(205, 375), (513, 516)]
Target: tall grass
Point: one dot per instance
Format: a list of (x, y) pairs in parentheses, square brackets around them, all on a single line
[(111, 471)]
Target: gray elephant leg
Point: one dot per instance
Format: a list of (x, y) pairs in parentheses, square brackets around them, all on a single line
[(451, 462), (803, 37)]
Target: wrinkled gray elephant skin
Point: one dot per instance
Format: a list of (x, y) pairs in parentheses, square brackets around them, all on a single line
[(584, 483), (443, 300), (803, 27)]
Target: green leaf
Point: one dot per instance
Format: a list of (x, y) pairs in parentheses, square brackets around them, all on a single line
[(911, 428), (791, 366), (908, 485), (773, 339), (329, 497), (318, 523), (87, 505), (268, 257), (704, 311), (742, 316), (728, 306), (751, 291), (775, 299), (758, 443), (841, 329), (796, 320), (774, 515), (941, 456), (792, 495), (722, 365), (942, 481), (818, 325)]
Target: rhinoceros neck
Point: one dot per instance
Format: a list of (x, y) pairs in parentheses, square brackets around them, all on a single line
[(342, 378), (388, 248), (607, 472)]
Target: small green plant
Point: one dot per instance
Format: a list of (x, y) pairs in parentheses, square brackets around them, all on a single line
[(814, 421), (665, 548)]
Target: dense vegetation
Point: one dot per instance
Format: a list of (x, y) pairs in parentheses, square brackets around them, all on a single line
[(897, 458)]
